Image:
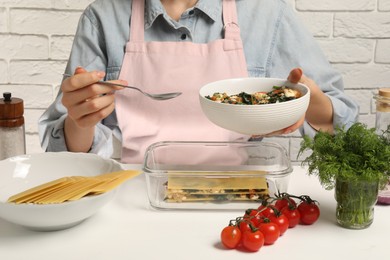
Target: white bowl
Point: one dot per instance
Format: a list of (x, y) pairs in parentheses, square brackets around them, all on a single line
[(253, 119), (20, 173)]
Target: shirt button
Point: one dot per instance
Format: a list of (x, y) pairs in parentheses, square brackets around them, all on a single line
[(183, 36), (191, 12)]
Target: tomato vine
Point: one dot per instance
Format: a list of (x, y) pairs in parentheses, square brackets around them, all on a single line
[(265, 224)]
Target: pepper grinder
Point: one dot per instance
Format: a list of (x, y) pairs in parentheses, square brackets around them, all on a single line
[(382, 123), (12, 133)]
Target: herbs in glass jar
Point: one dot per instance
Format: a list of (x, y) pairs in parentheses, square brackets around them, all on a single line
[(356, 163)]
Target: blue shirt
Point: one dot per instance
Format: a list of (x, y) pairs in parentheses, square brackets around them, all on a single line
[(274, 39)]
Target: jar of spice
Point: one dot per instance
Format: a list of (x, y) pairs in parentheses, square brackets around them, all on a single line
[(12, 133), (382, 123)]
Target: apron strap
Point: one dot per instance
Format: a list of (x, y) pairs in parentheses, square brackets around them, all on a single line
[(137, 26), (230, 20)]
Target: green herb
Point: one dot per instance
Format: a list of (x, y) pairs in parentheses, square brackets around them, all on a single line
[(356, 162), (358, 153), (246, 98), (355, 202)]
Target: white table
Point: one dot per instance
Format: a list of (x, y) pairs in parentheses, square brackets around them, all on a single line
[(128, 228)]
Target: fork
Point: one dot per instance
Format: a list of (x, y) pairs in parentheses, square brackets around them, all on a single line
[(161, 96)]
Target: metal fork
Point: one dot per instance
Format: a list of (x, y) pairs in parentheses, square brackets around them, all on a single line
[(161, 96)]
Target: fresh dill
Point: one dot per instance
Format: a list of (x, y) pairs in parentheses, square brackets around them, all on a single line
[(356, 154), (356, 162)]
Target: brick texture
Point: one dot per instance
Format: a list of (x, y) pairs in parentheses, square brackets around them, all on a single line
[(26, 3), (344, 50), (36, 38), (60, 47), (3, 20), (24, 47), (33, 21), (71, 4), (383, 5), (335, 5), (382, 54), (319, 24), (362, 25)]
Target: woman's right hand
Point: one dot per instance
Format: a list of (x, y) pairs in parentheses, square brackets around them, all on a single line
[(87, 103)]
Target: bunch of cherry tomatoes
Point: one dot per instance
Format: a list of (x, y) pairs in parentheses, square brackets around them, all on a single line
[(264, 225)]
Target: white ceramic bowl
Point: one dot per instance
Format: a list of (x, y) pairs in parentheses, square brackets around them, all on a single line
[(20, 173), (253, 119)]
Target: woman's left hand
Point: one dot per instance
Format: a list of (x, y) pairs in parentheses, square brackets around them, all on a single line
[(297, 76)]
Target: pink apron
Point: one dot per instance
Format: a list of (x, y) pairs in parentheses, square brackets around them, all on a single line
[(158, 67)]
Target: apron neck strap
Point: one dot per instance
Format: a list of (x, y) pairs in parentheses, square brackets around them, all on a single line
[(137, 25), (232, 30)]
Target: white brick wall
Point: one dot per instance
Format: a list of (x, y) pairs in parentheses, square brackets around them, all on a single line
[(36, 36)]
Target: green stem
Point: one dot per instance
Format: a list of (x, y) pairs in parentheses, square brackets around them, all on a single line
[(355, 203)]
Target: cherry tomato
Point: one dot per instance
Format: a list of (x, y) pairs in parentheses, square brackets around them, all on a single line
[(231, 237), (292, 214), (253, 215), (285, 201), (266, 211), (252, 241), (245, 225), (270, 231), (309, 212), (281, 220)]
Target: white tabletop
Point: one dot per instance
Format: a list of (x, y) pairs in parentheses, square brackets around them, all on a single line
[(128, 228)]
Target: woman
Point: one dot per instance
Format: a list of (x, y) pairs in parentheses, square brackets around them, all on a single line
[(179, 45)]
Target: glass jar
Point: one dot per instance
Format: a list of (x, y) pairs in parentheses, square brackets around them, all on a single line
[(355, 203), (382, 122), (12, 133)]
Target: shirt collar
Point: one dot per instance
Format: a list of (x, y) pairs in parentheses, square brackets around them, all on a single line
[(211, 8), (154, 8)]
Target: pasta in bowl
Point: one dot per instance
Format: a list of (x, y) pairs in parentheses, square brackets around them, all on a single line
[(23, 172), (254, 106)]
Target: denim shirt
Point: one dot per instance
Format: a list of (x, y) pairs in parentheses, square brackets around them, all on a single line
[(274, 39)]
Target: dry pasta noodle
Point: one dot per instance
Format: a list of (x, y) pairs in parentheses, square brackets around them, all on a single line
[(72, 188)]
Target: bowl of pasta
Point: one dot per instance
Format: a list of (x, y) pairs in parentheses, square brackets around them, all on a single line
[(254, 106), (44, 213)]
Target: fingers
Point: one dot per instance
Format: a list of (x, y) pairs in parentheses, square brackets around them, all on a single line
[(294, 127), (88, 92), (284, 131), (89, 113), (94, 118), (79, 70), (295, 75), (276, 133), (81, 80), (87, 101)]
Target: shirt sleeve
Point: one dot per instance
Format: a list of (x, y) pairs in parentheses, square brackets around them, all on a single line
[(88, 52), (296, 47)]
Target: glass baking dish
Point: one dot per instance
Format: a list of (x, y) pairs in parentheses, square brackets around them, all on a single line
[(214, 175)]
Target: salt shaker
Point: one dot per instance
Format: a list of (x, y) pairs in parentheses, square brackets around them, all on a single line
[(12, 133), (382, 122)]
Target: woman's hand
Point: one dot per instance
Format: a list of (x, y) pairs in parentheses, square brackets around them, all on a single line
[(87, 103), (319, 114), (320, 111)]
